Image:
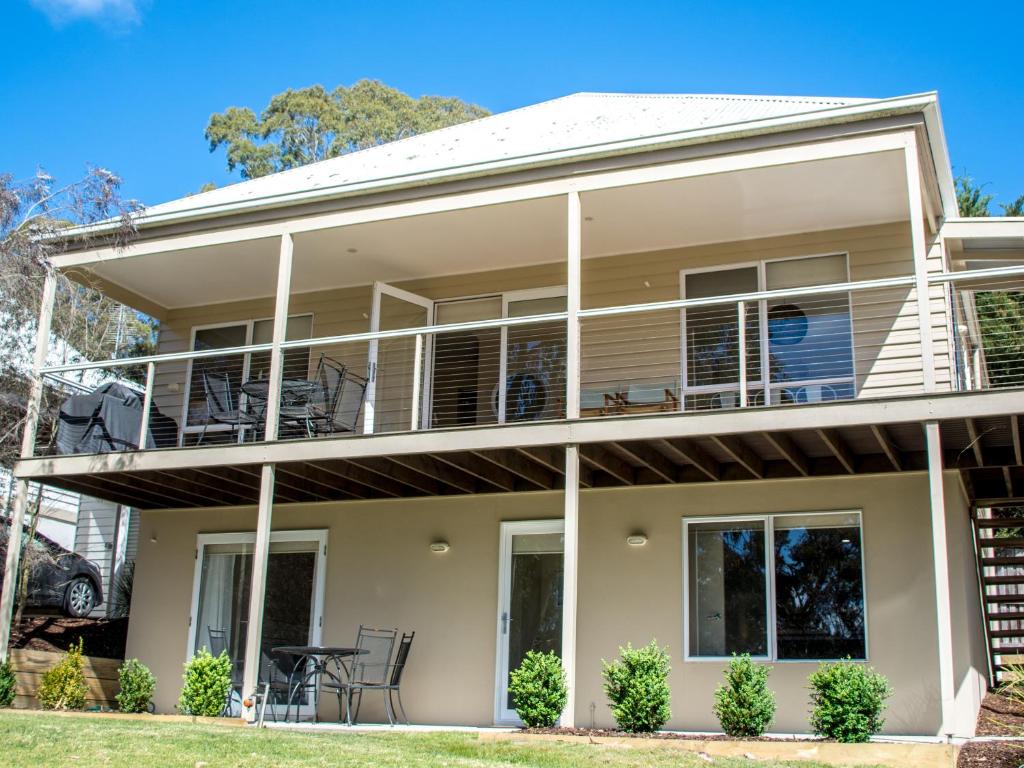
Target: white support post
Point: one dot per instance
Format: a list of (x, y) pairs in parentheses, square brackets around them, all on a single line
[(257, 594), (741, 326), (570, 573), (572, 339), (261, 551), (284, 282), (28, 443), (943, 610), (417, 375), (917, 239), (147, 403)]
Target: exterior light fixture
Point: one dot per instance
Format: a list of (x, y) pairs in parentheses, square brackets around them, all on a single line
[(636, 539), (588, 218), (439, 546), (352, 250)]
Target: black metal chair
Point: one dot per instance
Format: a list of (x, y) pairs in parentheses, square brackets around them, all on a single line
[(221, 407), (368, 670), (341, 400), (393, 689), (219, 643)]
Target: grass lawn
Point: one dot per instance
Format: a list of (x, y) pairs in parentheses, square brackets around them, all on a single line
[(36, 740)]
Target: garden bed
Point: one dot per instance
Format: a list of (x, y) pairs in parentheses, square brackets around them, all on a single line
[(999, 716), (102, 638)]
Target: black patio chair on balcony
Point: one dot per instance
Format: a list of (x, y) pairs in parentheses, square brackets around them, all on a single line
[(222, 406), (340, 400), (369, 669)]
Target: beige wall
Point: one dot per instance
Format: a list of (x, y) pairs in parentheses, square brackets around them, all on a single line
[(886, 328), (380, 571)]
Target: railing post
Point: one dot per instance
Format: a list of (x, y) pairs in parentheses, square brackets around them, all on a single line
[(741, 325), (572, 338), (28, 442), (417, 375), (917, 239), (284, 281), (147, 403)]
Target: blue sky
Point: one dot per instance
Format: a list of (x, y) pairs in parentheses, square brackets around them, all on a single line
[(130, 84)]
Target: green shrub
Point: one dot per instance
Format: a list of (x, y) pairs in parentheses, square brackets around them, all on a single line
[(538, 689), (847, 701), (745, 705), (137, 686), (63, 686), (8, 684), (637, 687), (207, 684)]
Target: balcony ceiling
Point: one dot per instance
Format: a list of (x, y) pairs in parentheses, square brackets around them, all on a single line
[(812, 196)]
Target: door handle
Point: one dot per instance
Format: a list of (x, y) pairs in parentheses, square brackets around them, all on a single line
[(504, 622)]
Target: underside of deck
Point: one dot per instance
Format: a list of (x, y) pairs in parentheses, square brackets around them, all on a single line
[(987, 450)]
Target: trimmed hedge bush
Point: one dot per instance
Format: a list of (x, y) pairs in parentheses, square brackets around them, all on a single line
[(538, 689), (64, 686), (637, 687), (744, 704), (207, 684), (137, 686), (847, 700), (8, 684)]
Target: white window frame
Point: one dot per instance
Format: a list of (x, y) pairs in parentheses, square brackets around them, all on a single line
[(768, 520), (184, 428), (763, 383), (508, 297), (502, 716), (317, 535)]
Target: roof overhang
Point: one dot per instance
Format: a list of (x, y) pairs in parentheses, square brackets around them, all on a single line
[(925, 103)]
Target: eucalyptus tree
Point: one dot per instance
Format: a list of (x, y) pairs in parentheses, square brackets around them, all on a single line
[(304, 125)]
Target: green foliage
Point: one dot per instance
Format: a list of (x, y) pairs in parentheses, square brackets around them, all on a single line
[(637, 687), (847, 701), (137, 686), (969, 199), (8, 684), (1001, 322), (538, 689), (305, 125), (207, 684), (744, 705), (1016, 208), (63, 686)]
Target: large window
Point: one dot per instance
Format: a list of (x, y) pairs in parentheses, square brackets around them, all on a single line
[(808, 340), (787, 587)]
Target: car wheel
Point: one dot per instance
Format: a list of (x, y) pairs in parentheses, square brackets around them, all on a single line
[(80, 598)]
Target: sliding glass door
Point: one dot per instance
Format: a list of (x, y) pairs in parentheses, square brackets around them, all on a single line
[(222, 588)]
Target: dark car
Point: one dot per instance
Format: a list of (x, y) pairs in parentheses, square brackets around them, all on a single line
[(58, 578)]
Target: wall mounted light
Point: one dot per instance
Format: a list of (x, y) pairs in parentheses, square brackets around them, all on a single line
[(439, 546), (636, 539)]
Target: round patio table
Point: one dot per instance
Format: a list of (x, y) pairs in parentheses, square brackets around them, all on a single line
[(317, 659), (292, 390)]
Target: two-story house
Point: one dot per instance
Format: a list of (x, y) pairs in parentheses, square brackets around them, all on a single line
[(716, 370)]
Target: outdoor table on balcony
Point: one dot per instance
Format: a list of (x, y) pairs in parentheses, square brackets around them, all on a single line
[(319, 659), (293, 391), (295, 395)]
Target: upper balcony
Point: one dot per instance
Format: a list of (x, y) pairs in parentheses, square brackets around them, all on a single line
[(760, 284)]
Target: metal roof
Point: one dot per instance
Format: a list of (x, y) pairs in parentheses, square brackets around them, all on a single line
[(539, 132)]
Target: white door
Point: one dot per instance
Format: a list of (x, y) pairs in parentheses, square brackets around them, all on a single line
[(389, 389), (529, 600)]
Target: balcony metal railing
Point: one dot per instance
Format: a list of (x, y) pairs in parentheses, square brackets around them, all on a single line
[(780, 347)]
